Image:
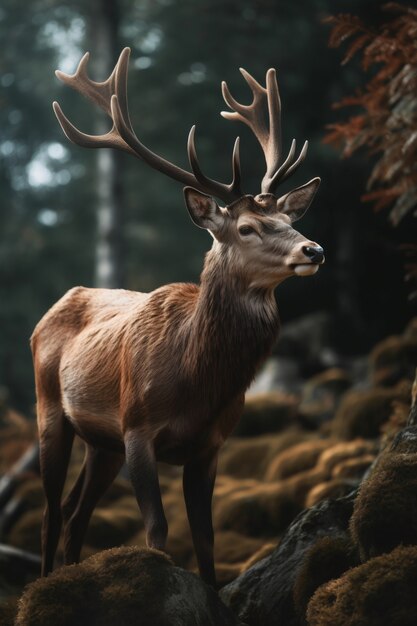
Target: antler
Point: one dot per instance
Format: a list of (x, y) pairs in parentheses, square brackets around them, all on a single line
[(269, 136), (111, 97)]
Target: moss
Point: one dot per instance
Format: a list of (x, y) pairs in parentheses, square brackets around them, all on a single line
[(8, 611), (331, 489), (381, 592), (385, 511), (342, 451), (267, 412), (353, 468), (362, 413), (393, 359), (114, 525), (327, 559), (109, 585), (297, 458), (121, 586), (26, 532), (322, 393), (249, 458), (232, 547), (263, 511)]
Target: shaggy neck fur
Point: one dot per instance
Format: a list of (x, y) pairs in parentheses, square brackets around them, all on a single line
[(232, 330)]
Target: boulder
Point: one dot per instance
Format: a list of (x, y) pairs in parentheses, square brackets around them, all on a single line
[(362, 413), (263, 595), (267, 412), (322, 394), (296, 458), (381, 592), (122, 586), (385, 511), (327, 559), (249, 458), (393, 359)]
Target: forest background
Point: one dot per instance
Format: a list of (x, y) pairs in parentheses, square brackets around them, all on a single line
[(71, 216)]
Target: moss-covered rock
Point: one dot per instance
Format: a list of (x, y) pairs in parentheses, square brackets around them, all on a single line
[(267, 412), (385, 511), (330, 489), (250, 458), (393, 359), (122, 586), (362, 413), (381, 592), (297, 458), (322, 393), (327, 559)]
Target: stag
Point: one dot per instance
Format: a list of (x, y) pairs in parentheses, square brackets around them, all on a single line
[(161, 376)]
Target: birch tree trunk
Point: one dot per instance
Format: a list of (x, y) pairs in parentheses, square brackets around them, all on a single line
[(109, 253)]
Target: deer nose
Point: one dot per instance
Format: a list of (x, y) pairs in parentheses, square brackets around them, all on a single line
[(314, 253)]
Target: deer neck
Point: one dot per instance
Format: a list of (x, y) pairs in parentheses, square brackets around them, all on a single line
[(233, 327)]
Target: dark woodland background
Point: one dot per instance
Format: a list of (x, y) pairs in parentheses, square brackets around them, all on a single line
[(56, 230)]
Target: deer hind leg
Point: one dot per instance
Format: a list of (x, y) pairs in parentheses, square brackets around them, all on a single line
[(141, 462), (56, 436), (198, 483), (99, 470)]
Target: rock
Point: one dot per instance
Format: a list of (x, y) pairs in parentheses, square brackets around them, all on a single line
[(344, 451), (362, 413), (122, 586), (385, 511), (353, 469), (322, 393), (297, 458), (278, 374), (331, 489), (17, 566), (267, 412), (8, 611), (304, 339), (26, 465), (249, 458), (327, 559), (381, 592), (115, 524), (264, 510), (264, 594), (393, 359)]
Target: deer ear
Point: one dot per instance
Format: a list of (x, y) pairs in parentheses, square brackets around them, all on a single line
[(296, 202), (204, 211)]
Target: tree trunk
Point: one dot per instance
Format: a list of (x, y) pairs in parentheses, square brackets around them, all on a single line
[(109, 259)]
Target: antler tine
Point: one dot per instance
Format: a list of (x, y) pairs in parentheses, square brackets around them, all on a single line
[(111, 96), (108, 140), (296, 163), (99, 93), (234, 187), (268, 136)]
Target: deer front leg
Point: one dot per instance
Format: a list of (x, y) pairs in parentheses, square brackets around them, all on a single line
[(141, 462), (198, 482)]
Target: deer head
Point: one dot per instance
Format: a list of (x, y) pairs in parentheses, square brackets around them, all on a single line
[(255, 232)]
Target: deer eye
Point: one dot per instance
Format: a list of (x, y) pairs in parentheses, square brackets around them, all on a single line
[(246, 230)]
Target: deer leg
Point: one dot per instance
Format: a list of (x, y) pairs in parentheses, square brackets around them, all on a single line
[(198, 483), (56, 436), (99, 470), (141, 462)]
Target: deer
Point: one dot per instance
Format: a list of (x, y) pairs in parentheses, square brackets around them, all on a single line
[(156, 377)]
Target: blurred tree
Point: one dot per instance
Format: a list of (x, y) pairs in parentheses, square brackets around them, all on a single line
[(103, 28)]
